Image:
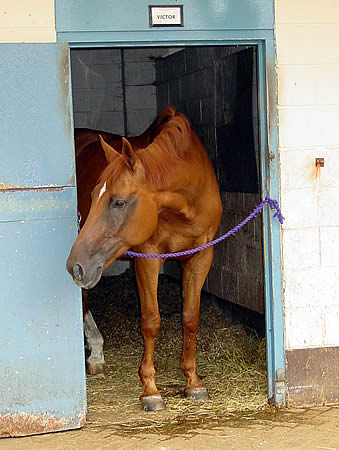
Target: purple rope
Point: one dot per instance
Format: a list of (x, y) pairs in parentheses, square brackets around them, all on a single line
[(258, 209)]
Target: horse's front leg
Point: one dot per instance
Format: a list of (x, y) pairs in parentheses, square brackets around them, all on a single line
[(195, 271), (147, 273), (95, 362)]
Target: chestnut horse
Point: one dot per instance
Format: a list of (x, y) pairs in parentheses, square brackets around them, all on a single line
[(90, 163), (162, 198)]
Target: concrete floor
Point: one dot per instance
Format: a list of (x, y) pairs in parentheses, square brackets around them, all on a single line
[(311, 428)]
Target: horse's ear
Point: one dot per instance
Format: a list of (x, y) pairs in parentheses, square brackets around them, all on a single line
[(129, 154), (110, 153)]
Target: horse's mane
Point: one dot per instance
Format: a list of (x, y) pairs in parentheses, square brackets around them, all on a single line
[(161, 157)]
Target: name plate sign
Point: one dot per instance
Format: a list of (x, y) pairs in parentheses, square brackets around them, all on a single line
[(166, 16)]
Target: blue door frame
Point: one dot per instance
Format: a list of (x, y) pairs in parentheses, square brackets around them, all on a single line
[(231, 22)]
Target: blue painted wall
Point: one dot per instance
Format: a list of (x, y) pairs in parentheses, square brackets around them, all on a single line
[(41, 322), (110, 15), (35, 99)]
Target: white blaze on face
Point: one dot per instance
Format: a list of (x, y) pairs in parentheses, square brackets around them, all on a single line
[(102, 191)]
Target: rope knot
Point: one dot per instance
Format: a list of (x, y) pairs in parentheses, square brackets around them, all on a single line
[(275, 205)]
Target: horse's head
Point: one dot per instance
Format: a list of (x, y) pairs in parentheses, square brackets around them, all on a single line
[(123, 214)]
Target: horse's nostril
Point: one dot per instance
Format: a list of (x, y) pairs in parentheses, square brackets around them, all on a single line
[(78, 272)]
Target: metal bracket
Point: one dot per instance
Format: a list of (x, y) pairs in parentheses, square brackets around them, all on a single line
[(319, 162)]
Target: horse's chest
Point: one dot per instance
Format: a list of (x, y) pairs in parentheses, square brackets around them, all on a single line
[(173, 235)]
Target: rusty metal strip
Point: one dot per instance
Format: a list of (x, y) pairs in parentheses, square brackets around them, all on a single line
[(10, 187), (23, 424)]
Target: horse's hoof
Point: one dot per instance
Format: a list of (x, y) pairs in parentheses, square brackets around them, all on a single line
[(152, 403), (197, 394), (96, 368)]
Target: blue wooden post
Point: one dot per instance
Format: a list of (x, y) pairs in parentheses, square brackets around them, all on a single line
[(42, 376)]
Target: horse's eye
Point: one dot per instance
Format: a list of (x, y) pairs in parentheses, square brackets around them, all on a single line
[(119, 204)]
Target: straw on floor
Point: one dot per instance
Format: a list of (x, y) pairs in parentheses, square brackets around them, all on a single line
[(231, 363)]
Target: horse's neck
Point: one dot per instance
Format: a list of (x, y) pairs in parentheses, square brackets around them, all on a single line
[(184, 189), (176, 202)]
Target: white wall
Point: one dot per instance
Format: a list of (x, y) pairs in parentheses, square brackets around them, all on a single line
[(307, 36), (27, 21)]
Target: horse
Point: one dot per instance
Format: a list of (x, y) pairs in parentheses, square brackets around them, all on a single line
[(90, 163), (160, 199)]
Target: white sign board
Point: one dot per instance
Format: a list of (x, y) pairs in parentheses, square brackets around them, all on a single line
[(166, 16)]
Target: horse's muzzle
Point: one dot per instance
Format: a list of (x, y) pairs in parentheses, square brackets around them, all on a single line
[(81, 277)]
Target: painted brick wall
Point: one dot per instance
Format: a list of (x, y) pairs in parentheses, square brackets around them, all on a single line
[(111, 86), (27, 21), (202, 83), (97, 89), (307, 34), (140, 88)]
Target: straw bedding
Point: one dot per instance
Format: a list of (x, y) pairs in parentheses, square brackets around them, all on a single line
[(231, 363)]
